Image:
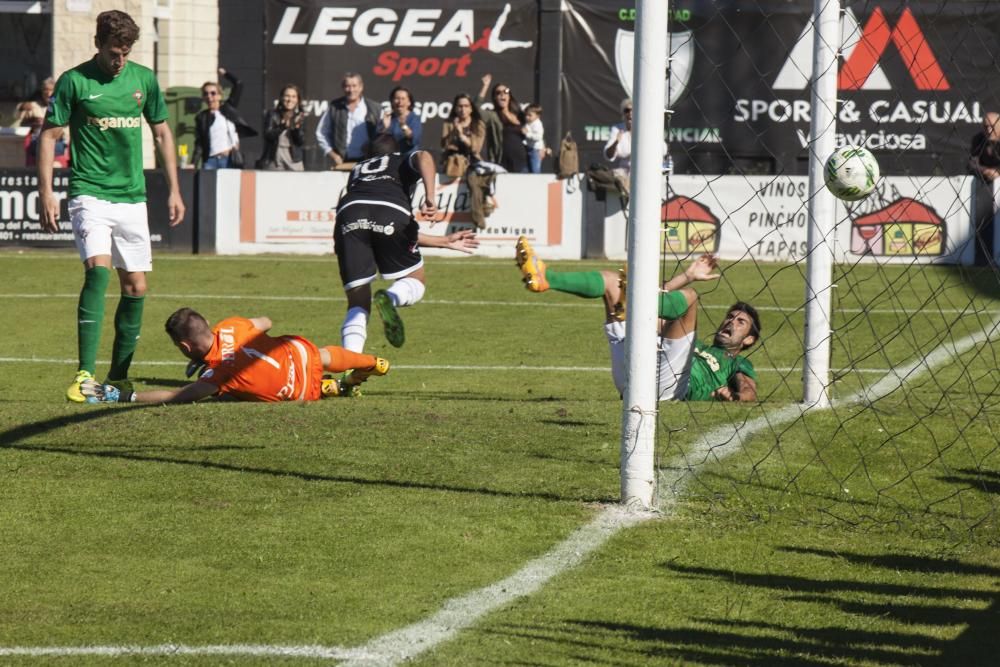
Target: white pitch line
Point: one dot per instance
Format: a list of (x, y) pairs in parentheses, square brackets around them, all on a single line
[(729, 438), (460, 613), (465, 611), (527, 303), (437, 367)]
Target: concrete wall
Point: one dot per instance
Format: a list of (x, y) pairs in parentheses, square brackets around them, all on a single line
[(179, 39)]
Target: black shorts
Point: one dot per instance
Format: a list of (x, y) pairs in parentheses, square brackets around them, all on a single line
[(375, 236)]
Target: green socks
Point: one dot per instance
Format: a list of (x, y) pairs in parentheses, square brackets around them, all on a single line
[(128, 323), (90, 316), (672, 305), (589, 284)]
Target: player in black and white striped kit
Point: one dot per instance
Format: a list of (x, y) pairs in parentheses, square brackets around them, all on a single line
[(376, 233)]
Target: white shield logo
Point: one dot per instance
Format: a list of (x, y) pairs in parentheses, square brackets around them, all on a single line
[(680, 59)]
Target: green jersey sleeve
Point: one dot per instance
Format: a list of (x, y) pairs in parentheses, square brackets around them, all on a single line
[(155, 109), (63, 100), (743, 365)]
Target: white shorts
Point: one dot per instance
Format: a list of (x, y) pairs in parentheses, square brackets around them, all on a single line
[(109, 228), (673, 359)]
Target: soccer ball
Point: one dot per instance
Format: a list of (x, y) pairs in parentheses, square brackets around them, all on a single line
[(851, 173)]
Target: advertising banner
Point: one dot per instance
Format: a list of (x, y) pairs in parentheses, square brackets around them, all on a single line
[(434, 48), (20, 216), (905, 220), (254, 214), (912, 87)]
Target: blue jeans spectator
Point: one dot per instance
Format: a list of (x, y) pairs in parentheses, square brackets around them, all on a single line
[(217, 162), (534, 161)]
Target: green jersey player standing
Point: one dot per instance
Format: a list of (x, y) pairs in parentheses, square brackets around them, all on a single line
[(103, 101), (688, 370)]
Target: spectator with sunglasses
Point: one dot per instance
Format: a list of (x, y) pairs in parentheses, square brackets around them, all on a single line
[(504, 138), (219, 127)]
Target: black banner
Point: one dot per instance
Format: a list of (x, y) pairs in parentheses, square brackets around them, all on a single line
[(914, 81), (20, 217), (435, 48)]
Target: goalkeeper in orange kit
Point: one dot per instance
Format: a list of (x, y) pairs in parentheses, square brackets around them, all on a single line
[(240, 361)]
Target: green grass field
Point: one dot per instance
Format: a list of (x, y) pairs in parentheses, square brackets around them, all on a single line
[(862, 535)]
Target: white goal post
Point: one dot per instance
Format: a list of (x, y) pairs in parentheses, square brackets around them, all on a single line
[(639, 408)]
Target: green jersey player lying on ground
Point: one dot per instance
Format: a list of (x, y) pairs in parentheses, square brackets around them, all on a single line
[(689, 370)]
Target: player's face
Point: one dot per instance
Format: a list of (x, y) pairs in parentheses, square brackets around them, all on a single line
[(734, 332), (289, 98), (352, 87), (112, 58)]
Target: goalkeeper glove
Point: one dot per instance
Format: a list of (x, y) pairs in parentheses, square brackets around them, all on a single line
[(195, 366), (105, 393)]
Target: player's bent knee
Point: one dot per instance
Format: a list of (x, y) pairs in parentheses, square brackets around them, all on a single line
[(611, 282)]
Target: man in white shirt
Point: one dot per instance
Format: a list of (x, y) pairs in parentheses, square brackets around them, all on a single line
[(618, 150), (349, 124)]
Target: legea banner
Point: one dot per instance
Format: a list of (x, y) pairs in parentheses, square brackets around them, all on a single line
[(434, 48)]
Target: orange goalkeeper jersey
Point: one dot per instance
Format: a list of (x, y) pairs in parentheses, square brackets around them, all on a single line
[(248, 365)]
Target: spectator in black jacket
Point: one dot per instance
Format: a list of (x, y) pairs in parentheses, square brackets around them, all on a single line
[(283, 136), (349, 124), (217, 129)]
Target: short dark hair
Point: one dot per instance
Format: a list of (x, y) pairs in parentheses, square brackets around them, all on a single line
[(744, 307), (186, 324), (534, 108), (116, 28), (383, 144)]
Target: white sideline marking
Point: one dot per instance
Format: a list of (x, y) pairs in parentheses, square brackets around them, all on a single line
[(463, 612), (726, 439), (527, 303), (460, 613), (436, 367)]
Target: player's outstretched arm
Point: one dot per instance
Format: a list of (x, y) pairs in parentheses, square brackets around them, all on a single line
[(168, 153), (428, 174), (700, 269), (105, 393), (262, 323), (743, 389), (462, 241), (746, 388)]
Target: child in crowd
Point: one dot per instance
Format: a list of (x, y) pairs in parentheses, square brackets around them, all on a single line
[(534, 137)]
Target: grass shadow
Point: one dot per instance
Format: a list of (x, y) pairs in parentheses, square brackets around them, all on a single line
[(12, 439), (977, 643)]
